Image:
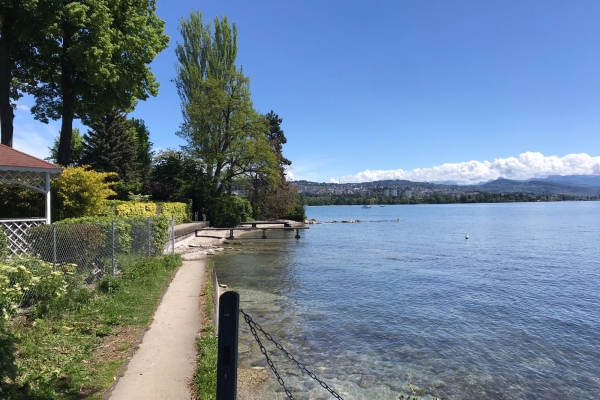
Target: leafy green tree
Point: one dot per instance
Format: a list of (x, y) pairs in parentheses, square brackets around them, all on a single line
[(273, 196), (94, 59), (111, 147), (144, 149), (76, 149), (22, 23), (222, 129)]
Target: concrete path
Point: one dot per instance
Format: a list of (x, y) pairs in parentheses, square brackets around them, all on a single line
[(166, 358)]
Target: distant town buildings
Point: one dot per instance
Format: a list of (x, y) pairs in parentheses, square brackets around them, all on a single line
[(408, 194)]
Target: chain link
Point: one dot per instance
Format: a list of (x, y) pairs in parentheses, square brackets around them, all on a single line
[(253, 327)]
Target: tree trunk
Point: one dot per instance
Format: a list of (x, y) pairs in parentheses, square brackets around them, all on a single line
[(68, 106), (6, 66)]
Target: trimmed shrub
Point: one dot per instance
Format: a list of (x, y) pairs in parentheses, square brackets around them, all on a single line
[(159, 230), (189, 205), (104, 224), (178, 210), (229, 211), (136, 209), (77, 243)]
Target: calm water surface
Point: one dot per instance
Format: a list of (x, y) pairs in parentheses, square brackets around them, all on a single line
[(513, 312)]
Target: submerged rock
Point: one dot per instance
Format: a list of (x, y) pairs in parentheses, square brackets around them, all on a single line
[(367, 381)]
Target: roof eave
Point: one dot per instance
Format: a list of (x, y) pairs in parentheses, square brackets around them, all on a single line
[(56, 170)]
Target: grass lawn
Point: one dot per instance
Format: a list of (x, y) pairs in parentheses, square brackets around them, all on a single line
[(205, 378), (75, 350)]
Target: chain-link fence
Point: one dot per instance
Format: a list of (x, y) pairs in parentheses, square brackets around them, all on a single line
[(82, 250)]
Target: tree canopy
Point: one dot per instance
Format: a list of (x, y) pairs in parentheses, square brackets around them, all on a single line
[(85, 58), (222, 129)]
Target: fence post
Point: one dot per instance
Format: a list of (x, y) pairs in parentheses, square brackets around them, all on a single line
[(172, 234), (113, 248), (149, 235), (54, 247), (229, 311)]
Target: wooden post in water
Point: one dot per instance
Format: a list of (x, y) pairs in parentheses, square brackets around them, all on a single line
[(229, 311), (297, 234), (264, 236)]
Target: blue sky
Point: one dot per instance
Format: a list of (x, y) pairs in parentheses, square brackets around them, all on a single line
[(381, 89)]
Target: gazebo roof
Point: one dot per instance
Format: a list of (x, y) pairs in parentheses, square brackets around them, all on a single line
[(15, 160)]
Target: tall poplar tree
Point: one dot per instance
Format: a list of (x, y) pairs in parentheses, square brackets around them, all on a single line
[(222, 129)]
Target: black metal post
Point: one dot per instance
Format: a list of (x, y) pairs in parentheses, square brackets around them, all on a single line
[(229, 311)]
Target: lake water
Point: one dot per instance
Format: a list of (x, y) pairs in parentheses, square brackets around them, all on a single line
[(511, 313)]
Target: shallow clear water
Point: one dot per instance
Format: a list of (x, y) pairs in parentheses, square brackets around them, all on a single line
[(513, 312)]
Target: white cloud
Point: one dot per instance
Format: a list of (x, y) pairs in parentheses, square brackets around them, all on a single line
[(23, 107), (527, 165), (32, 140), (289, 175)]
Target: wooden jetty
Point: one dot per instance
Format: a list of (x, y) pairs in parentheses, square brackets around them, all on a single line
[(286, 227)]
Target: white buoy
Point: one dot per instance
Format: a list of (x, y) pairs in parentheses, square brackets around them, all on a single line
[(467, 237)]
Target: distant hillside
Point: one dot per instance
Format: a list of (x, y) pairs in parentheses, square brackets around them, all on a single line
[(578, 180), (537, 186)]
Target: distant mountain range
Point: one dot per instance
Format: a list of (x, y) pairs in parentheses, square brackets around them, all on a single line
[(578, 180), (538, 186), (573, 185)]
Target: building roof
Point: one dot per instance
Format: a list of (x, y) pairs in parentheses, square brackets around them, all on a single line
[(15, 160)]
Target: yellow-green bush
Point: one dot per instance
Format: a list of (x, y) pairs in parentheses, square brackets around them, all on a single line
[(136, 209), (80, 192), (178, 210)]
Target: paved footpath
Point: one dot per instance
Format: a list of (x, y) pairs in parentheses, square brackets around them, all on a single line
[(166, 358)]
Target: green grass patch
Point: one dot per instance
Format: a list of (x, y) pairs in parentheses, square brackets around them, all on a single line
[(205, 377), (55, 356)]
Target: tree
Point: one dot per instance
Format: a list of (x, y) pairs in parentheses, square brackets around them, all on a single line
[(76, 149), (94, 59), (144, 149), (273, 196), (22, 23), (222, 129), (111, 147)]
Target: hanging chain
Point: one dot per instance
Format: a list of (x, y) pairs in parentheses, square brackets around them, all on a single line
[(255, 326)]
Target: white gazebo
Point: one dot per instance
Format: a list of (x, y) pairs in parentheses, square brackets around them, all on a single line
[(18, 168)]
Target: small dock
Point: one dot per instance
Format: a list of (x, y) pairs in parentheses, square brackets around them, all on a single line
[(255, 226)]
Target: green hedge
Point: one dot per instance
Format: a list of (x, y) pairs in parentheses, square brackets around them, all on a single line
[(131, 234), (182, 210), (77, 243), (178, 210)]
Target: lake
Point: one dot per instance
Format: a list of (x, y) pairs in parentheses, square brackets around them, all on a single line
[(513, 312)]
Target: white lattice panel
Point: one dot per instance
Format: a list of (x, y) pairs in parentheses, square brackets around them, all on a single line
[(32, 180), (16, 230)]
